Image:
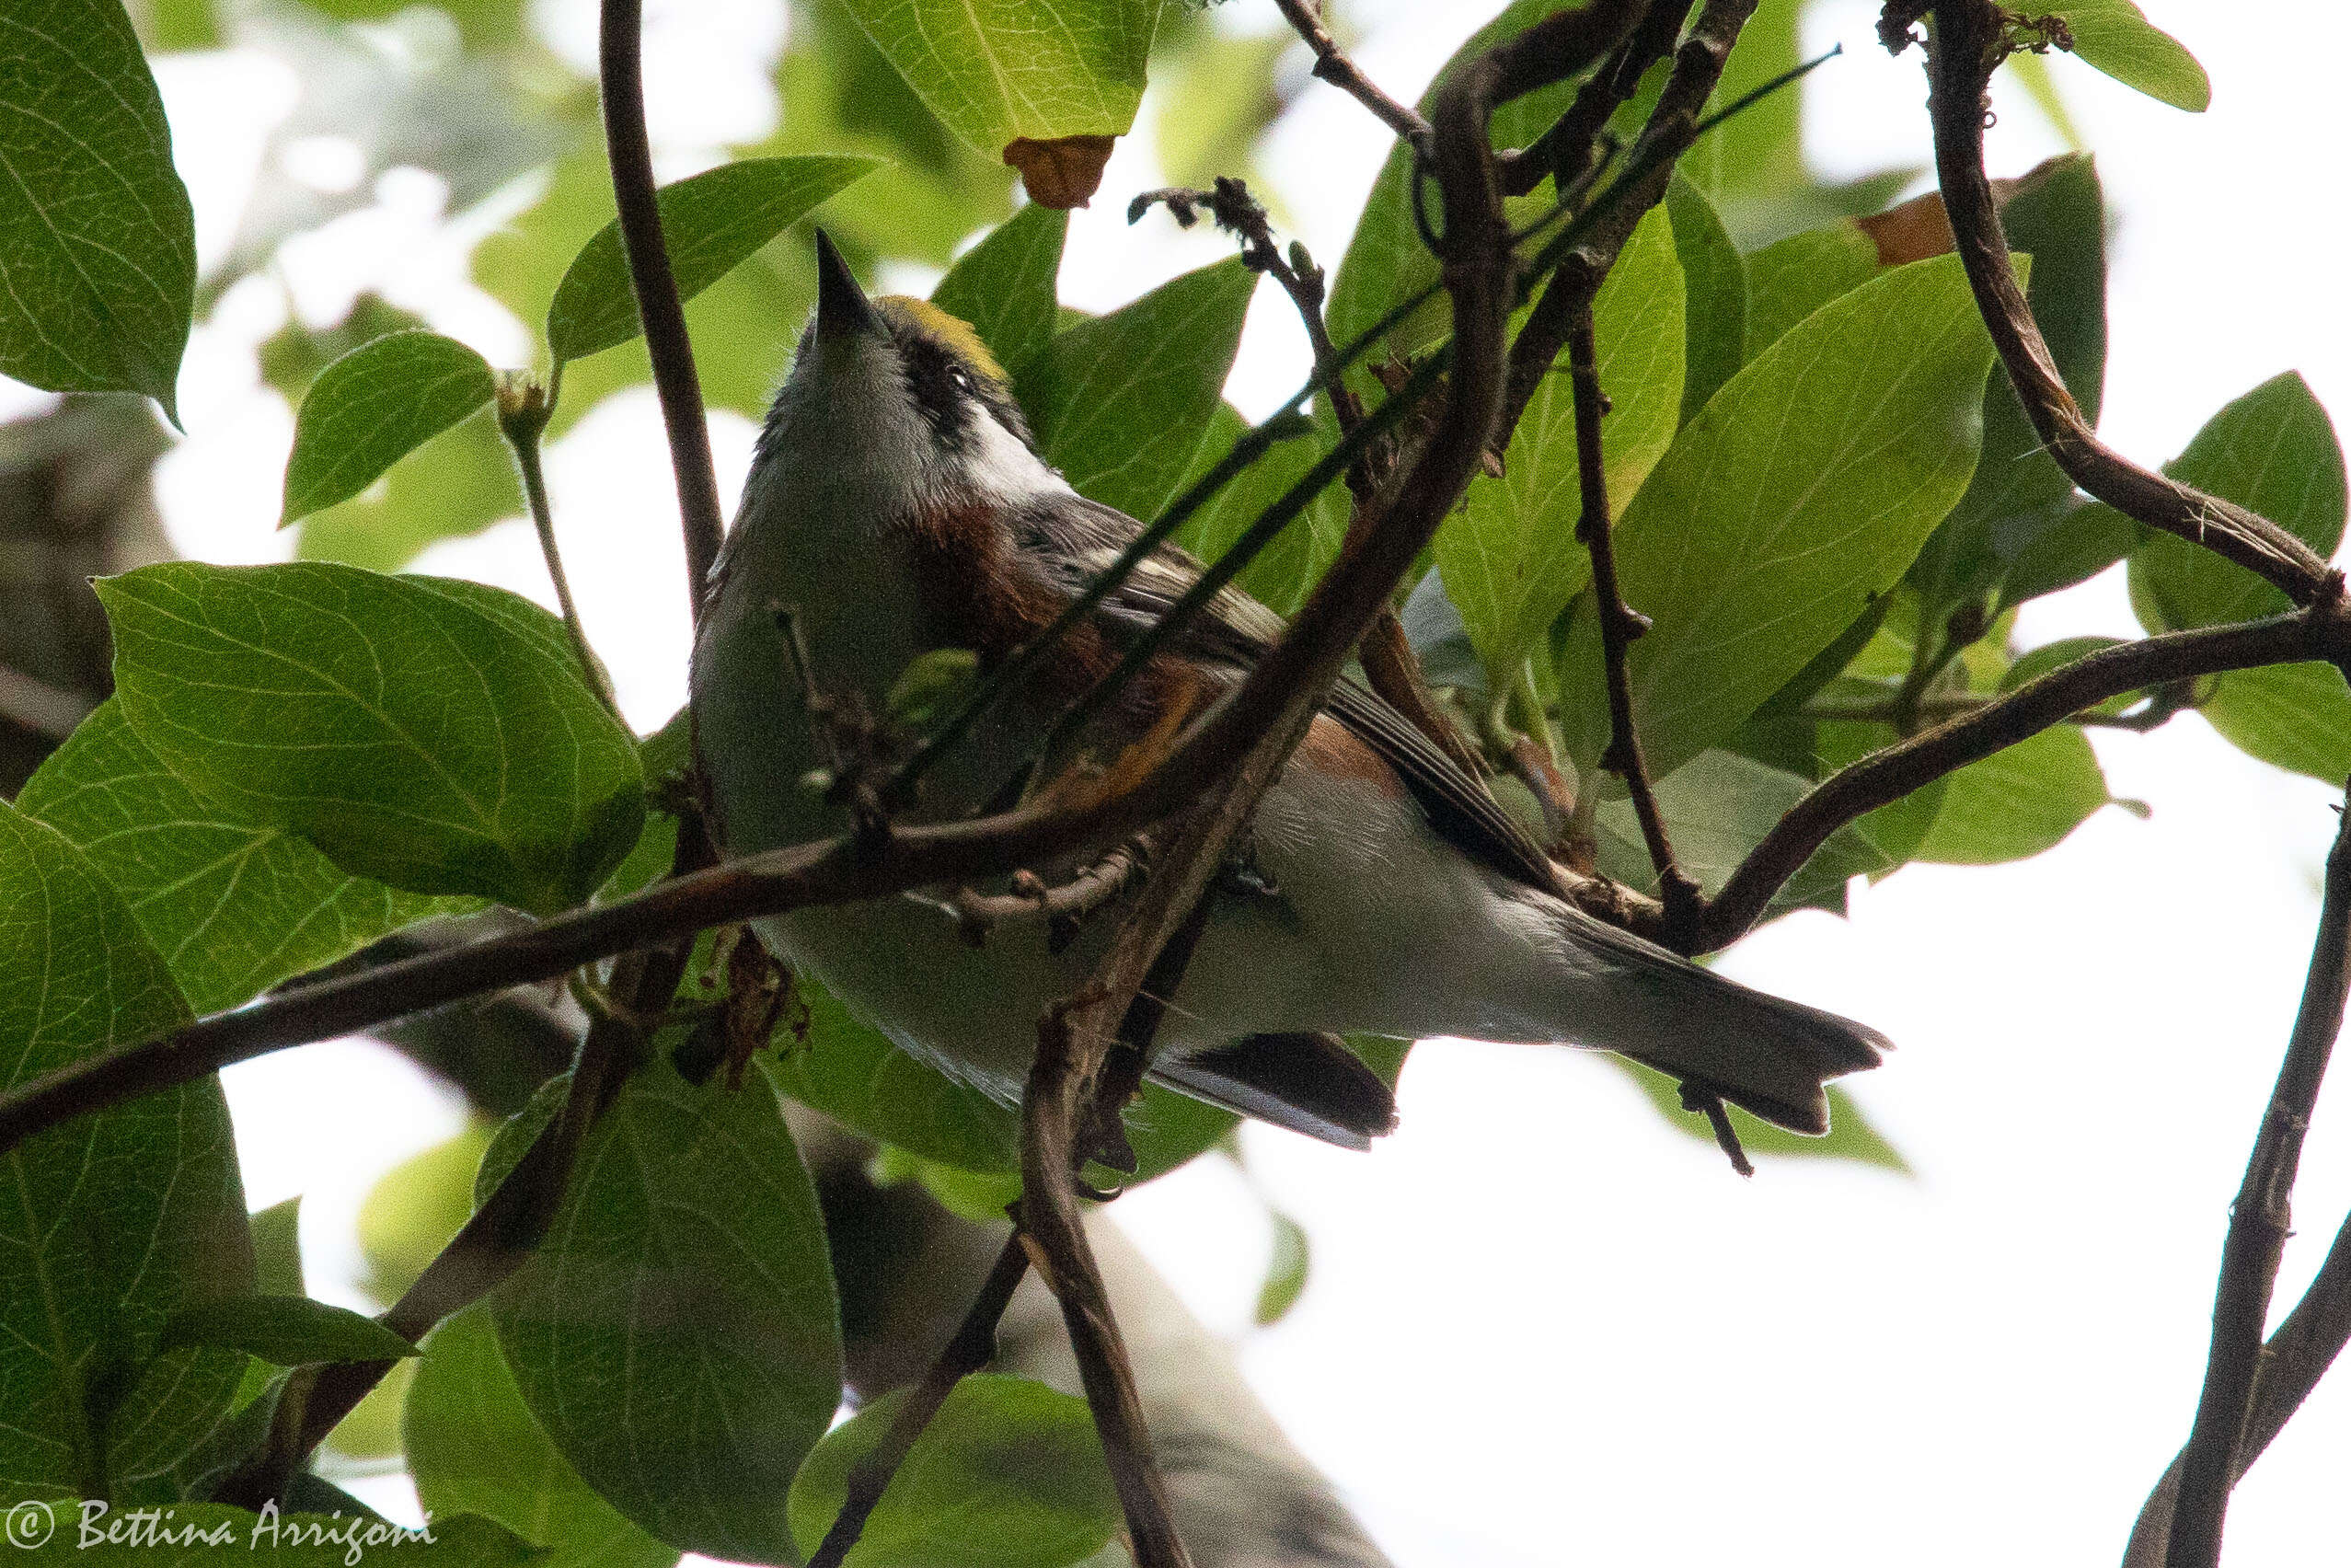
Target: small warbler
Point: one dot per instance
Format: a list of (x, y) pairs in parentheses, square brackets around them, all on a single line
[(898, 504)]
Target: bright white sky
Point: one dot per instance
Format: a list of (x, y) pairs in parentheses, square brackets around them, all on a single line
[(1542, 1329)]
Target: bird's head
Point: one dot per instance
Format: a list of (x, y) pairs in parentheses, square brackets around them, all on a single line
[(910, 386)]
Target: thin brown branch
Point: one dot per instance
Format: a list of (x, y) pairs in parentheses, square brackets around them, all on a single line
[(1620, 625), (2296, 1357), (1060, 905), (1564, 150), (2259, 1223), (1968, 45), (1671, 128), (621, 73), (972, 1347), (1887, 776), (1260, 723), (1331, 64)]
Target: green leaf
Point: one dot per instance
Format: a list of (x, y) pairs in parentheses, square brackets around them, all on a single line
[(415, 1208), (930, 682), (434, 734), (235, 906), (1286, 569), (277, 1248), (1286, 1272), (462, 486), (1006, 286), (2018, 527), (1788, 280), (2273, 451), (1757, 154), (2297, 717), (1121, 401), (1714, 285), (711, 223), (1850, 1136), (840, 96), (1510, 557), (2073, 543), (2116, 37), (372, 407), (847, 1068), (2018, 801), (114, 1221), (1007, 1474), (677, 1334), (98, 242), (992, 70), (1717, 807), (285, 1331), (1804, 488), (472, 1445)]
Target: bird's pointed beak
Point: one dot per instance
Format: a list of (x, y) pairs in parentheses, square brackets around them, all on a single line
[(842, 309)]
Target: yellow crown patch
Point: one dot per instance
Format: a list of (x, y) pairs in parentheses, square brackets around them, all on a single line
[(954, 331)]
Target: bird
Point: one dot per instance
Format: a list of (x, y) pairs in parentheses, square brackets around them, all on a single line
[(896, 505)]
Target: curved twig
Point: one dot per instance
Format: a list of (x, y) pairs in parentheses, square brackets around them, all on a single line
[(1966, 46)]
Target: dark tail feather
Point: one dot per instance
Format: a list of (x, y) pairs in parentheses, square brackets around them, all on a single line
[(1308, 1083), (1762, 1053)]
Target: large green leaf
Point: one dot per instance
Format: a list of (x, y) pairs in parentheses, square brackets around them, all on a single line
[(2297, 717), (114, 1221), (1284, 570), (993, 70), (1007, 1474), (2116, 37), (1714, 288), (234, 906), (1509, 556), (434, 734), (98, 242), (473, 1446), (744, 326), (840, 96), (2017, 527), (1120, 401), (2018, 801), (462, 486), (677, 1334), (1802, 491), (1006, 286), (1790, 279), (2274, 451), (373, 406), (710, 224)]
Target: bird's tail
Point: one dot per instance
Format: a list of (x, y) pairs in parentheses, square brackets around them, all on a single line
[(1768, 1055)]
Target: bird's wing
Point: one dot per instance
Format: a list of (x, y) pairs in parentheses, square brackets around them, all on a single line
[(1235, 630)]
